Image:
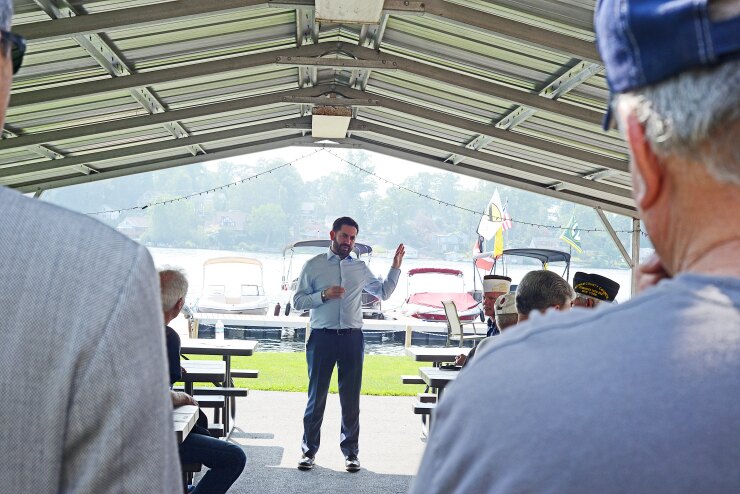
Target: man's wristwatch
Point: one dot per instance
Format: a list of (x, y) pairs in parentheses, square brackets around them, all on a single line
[(323, 295)]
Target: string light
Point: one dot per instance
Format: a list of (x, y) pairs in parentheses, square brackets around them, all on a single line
[(462, 208), (363, 170), (214, 189)]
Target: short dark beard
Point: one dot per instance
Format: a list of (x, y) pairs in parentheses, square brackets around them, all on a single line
[(335, 249)]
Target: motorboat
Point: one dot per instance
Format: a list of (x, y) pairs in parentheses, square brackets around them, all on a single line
[(371, 305), (233, 285), (486, 263), (427, 305)]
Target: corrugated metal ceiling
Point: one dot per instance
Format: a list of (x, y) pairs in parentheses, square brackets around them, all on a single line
[(508, 90)]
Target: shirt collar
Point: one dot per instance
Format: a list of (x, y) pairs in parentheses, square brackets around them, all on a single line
[(330, 254)]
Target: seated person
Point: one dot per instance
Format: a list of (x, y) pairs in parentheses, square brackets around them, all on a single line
[(506, 316), (493, 287), (592, 289), (224, 459), (542, 290)]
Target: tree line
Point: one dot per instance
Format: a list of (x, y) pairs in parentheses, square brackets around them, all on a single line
[(280, 207)]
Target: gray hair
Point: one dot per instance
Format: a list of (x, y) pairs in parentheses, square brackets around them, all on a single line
[(504, 321), (6, 14), (173, 285), (597, 301), (694, 114), (540, 290)]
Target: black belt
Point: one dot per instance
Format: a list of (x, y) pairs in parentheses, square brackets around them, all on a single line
[(338, 332)]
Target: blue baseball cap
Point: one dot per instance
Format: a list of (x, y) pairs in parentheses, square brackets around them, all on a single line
[(643, 42)]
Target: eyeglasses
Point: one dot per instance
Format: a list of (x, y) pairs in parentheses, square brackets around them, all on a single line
[(18, 47)]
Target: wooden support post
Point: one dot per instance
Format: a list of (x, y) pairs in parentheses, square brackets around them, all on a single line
[(193, 328), (407, 341)]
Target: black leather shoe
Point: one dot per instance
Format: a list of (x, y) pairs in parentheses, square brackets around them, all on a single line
[(306, 462), (352, 464)]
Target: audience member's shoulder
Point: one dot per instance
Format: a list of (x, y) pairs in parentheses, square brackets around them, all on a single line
[(49, 221), (644, 309)]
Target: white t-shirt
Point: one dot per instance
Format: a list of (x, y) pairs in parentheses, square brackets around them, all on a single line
[(640, 397)]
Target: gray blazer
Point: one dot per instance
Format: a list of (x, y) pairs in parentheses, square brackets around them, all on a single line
[(84, 405)]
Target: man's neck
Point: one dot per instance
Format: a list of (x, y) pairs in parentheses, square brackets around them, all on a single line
[(338, 254), (712, 258)]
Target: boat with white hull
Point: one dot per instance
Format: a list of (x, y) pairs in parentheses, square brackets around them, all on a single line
[(233, 285)]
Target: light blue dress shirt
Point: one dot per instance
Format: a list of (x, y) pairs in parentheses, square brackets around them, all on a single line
[(327, 270)]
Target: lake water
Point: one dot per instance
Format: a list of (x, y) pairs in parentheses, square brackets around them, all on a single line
[(191, 260)]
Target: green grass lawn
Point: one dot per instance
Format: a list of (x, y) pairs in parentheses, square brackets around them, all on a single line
[(288, 372)]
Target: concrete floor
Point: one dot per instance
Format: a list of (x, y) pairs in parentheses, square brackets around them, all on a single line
[(269, 428)]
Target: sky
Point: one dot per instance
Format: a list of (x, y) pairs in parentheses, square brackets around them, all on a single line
[(321, 164)]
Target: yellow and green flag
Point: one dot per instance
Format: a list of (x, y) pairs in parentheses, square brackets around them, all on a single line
[(572, 235)]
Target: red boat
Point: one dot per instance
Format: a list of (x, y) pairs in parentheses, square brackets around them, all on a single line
[(428, 305)]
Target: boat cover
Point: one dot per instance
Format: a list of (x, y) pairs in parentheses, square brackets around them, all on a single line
[(463, 301), (455, 272)]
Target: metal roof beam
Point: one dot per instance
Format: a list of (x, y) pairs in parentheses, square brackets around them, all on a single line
[(490, 176), (126, 124), (363, 77), (496, 160), (35, 185), (560, 86), (597, 175), (310, 55), (107, 56), (487, 130), (165, 75), (136, 17), (597, 160), (456, 13), (44, 151), (615, 237), (512, 29), (156, 146), (367, 58)]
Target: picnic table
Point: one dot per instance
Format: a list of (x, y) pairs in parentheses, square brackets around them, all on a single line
[(200, 371), (226, 349), (434, 355), (437, 378), (184, 418)]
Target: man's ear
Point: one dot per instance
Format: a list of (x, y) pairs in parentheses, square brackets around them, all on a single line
[(332, 234), (647, 170), (180, 303)]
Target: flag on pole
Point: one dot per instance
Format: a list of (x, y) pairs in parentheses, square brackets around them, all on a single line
[(572, 235), (507, 223), (498, 243), (484, 263), (490, 222)]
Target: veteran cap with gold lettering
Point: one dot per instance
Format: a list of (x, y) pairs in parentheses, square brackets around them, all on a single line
[(595, 286)]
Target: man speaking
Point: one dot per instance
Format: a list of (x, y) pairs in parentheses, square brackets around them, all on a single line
[(331, 286)]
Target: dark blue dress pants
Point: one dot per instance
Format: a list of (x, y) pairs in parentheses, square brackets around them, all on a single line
[(324, 350), (225, 461)]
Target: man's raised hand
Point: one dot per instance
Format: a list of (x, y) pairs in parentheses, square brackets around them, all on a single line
[(398, 258)]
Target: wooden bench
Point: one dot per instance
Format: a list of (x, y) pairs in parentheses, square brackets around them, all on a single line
[(427, 397), (216, 390), (421, 408), (411, 379), (245, 373)]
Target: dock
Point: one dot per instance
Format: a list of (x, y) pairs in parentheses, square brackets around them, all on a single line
[(299, 322)]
